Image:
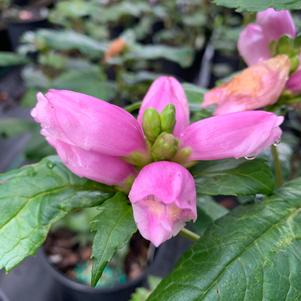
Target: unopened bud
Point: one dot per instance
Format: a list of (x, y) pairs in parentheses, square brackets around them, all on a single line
[(182, 155), (294, 60), (151, 124), (139, 159), (168, 118), (165, 147), (285, 45)]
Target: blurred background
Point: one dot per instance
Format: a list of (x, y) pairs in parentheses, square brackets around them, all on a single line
[(111, 49)]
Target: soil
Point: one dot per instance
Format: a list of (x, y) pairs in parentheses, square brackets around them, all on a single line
[(67, 254)]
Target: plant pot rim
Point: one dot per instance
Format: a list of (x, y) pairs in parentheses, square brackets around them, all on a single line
[(87, 289), (3, 297)]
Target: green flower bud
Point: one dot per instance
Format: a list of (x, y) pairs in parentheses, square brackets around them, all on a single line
[(168, 118), (297, 43), (285, 45), (294, 63), (165, 147), (151, 124), (139, 159), (182, 155)]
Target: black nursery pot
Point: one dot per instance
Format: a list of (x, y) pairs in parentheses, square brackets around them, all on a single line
[(16, 28), (69, 290)]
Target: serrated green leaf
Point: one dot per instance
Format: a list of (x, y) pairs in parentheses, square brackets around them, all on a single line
[(233, 177), (114, 227), (259, 5), (33, 198), (253, 253)]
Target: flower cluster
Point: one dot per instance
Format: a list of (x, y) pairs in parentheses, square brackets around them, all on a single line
[(148, 157), (272, 50)]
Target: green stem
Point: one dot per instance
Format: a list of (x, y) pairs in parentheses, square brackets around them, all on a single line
[(134, 106), (189, 234), (277, 166)]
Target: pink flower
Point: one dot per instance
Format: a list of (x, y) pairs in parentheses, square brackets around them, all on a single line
[(88, 122), (164, 198), (255, 87), (96, 166), (254, 40), (294, 83), (96, 140), (162, 92), (236, 135), (271, 25)]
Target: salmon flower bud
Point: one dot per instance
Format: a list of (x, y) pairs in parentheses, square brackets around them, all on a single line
[(255, 87), (151, 124), (88, 123), (236, 135), (164, 91), (163, 197), (165, 147), (115, 48), (168, 118)]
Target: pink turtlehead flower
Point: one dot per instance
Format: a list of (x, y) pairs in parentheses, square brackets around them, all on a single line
[(89, 164), (255, 87), (94, 139), (163, 197), (271, 25), (236, 135), (254, 40), (89, 123), (162, 92)]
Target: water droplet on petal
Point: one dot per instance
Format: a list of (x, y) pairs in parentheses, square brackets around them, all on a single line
[(50, 165), (250, 158)]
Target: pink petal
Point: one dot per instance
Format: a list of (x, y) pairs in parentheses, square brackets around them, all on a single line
[(294, 83), (87, 122), (164, 199), (275, 23), (163, 91), (253, 46), (255, 87), (92, 165), (233, 135)]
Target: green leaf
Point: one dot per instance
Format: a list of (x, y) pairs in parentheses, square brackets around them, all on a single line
[(258, 5), (181, 55), (32, 199), (233, 177), (68, 40), (11, 59), (12, 126), (88, 81), (253, 253), (114, 227), (208, 211)]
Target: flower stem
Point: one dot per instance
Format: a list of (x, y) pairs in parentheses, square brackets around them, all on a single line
[(277, 166), (133, 107), (189, 234)]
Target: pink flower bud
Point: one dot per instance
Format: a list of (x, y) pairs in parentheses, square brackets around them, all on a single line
[(255, 87), (236, 135), (93, 165), (253, 45), (271, 25), (88, 123), (163, 197), (163, 91), (294, 83)]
